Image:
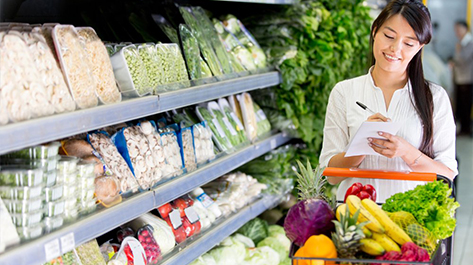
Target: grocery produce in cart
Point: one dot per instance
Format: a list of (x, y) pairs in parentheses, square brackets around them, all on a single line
[(348, 234), (312, 215)]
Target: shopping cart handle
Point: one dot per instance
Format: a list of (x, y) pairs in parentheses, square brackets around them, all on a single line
[(379, 174)]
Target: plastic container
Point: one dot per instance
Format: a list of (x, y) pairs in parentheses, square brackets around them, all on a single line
[(71, 203), (130, 72), (24, 206), (44, 164), (100, 65), (53, 223), (67, 179), (27, 219), (86, 169), (153, 65), (53, 193), (107, 190), (27, 233), (26, 176), (86, 183), (70, 214), (152, 250), (86, 194), (67, 165), (71, 190), (75, 64), (87, 206), (52, 209), (49, 178), (37, 152), (20, 193)]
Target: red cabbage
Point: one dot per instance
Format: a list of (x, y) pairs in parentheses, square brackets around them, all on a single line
[(307, 218)]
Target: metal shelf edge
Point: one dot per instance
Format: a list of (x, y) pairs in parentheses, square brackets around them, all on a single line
[(37, 131), (197, 94), (186, 183), (224, 229), (86, 229)]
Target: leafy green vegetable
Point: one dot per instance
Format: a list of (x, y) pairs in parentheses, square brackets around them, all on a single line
[(430, 204), (255, 229), (278, 232), (230, 252), (275, 244), (262, 256)]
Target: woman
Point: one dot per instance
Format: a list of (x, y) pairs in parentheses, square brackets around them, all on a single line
[(395, 88)]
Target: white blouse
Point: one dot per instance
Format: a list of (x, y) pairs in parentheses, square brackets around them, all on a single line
[(344, 117)]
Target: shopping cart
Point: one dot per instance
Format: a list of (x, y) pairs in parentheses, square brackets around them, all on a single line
[(443, 255)]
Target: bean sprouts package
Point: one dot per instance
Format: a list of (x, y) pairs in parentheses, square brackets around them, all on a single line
[(101, 66), (130, 72), (134, 147), (149, 56), (233, 119), (218, 134), (203, 144), (172, 152), (186, 141), (233, 25), (222, 119), (205, 46), (211, 34), (89, 253), (22, 90), (54, 83), (249, 116), (131, 252), (263, 123), (105, 148), (75, 65), (148, 128)]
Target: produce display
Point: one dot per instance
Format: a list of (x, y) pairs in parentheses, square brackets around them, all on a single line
[(248, 115), (156, 145), (235, 122), (75, 65), (152, 63), (204, 147), (218, 134), (186, 140), (173, 153), (196, 66), (101, 66), (396, 231)]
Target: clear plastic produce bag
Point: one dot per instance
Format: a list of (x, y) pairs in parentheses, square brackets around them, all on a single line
[(218, 134), (172, 152), (155, 143), (151, 60)]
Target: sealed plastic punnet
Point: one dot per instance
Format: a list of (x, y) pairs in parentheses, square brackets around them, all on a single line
[(151, 61), (152, 250)]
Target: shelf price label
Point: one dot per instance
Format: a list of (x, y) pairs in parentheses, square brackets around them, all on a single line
[(191, 214), (175, 217), (68, 242), (273, 143), (52, 250)]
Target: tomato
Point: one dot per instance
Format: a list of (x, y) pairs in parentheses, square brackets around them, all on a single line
[(188, 227), (164, 210), (180, 234), (181, 205), (197, 226)]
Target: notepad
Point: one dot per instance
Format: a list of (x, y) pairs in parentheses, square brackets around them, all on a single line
[(359, 143)]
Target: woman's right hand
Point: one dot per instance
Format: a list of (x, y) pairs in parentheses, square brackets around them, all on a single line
[(378, 117)]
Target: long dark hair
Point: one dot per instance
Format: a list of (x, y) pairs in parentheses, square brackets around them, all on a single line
[(418, 17)]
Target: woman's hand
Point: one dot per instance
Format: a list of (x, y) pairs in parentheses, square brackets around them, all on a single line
[(392, 146), (378, 117)]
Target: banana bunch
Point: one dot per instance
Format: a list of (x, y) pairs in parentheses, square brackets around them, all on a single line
[(383, 234)]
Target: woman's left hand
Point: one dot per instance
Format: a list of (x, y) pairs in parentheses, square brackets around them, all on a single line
[(392, 146)]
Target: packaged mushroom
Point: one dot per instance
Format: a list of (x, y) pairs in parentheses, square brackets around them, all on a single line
[(172, 152), (104, 146), (101, 66), (154, 139), (134, 147), (75, 65), (54, 83), (21, 86), (203, 144), (186, 140)]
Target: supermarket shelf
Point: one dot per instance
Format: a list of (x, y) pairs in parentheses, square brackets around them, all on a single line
[(186, 183), (273, 2), (105, 220), (37, 131), (193, 95), (219, 232), (83, 230)]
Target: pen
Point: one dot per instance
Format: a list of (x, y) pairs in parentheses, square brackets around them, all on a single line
[(363, 106)]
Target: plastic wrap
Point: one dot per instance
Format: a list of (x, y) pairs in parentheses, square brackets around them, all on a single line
[(101, 66), (130, 252), (89, 253), (191, 52), (55, 86), (227, 127), (130, 72), (204, 147), (186, 140), (107, 190), (233, 119), (149, 56), (263, 124), (20, 176), (154, 139), (218, 134), (249, 116), (205, 46), (172, 152), (162, 233), (75, 64), (134, 147), (114, 161), (151, 248)]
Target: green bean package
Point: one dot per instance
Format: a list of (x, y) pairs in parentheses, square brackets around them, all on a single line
[(218, 134), (191, 52), (227, 127), (233, 119)]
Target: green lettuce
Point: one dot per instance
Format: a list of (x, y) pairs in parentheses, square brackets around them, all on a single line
[(256, 229), (430, 204)]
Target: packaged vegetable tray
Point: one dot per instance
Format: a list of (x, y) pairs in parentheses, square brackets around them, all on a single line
[(443, 251), (233, 119), (130, 72), (75, 65), (89, 253), (227, 127), (218, 134), (106, 87), (249, 115), (152, 63), (192, 54)]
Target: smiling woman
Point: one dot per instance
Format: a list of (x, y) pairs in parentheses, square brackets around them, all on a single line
[(395, 88)]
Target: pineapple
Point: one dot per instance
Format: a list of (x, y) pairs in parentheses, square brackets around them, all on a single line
[(347, 235)]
